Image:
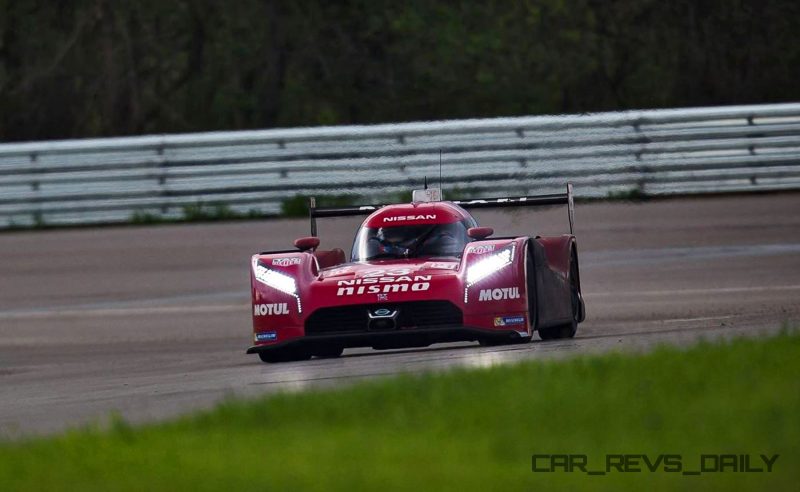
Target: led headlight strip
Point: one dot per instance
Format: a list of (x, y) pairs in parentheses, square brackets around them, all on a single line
[(487, 266), (276, 280)]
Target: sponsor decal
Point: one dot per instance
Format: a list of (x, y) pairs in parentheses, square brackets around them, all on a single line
[(499, 294), (383, 297), (383, 289), (284, 262), (441, 266), (338, 271), (383, 285), (402, 218), (266, 336), (481, 249), (270, 309), (395, 272), (509, 320)]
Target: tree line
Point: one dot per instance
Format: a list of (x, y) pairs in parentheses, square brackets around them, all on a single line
[(87, 68)]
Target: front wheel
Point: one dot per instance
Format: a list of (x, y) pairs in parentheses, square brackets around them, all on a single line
[(568, 330)]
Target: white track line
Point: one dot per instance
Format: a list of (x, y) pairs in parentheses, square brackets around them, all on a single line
[(705, 318), (722, 290), (132, 311)]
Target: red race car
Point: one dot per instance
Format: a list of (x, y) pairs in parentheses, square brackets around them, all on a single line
[(419, 273)]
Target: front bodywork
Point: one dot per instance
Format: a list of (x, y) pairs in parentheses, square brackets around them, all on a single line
[(410, 302)]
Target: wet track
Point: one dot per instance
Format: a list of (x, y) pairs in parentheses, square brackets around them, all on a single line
[(153, 322)]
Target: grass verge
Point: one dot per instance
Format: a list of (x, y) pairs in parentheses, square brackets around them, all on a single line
[(463, 430)]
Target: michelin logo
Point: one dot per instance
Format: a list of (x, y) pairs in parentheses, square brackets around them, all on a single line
[(499, 294), (266, 336), (509, 320), (270, 309)]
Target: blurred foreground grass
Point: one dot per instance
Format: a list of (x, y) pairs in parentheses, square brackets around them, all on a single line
[(462, 430)]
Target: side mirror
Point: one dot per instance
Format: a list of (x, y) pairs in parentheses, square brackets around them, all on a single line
[(479, 232), (306, 243)]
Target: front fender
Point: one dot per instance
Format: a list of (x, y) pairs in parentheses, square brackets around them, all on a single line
[(493, 283), (276, 282)]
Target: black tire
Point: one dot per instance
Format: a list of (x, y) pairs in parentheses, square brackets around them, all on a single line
[(330, 352), (567, 330), (284, 355), (530, 282)]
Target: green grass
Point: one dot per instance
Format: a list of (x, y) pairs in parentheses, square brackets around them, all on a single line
[(297, 205), (461, 430)]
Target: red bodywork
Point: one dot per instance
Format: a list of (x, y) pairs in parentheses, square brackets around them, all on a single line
[(431, 299)]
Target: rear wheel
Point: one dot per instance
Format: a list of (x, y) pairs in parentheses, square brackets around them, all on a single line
[(567, 330), (284, 355)]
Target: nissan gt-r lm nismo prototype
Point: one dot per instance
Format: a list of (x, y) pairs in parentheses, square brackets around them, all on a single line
[(419, 273)]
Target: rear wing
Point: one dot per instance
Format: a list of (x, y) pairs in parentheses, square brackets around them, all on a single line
[(315, 212)]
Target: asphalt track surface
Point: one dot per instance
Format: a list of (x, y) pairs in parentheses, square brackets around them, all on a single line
[(152, 322)]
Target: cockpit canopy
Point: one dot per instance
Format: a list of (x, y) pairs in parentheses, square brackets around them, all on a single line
[(411, 241)]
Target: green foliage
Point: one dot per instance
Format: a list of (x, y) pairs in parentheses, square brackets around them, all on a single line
[(140, 217), (468, 429), (196, 212), (461, 193), (633, 195), (399, 197), (38, 220), (207, 212), (297, 206), (112, 68)]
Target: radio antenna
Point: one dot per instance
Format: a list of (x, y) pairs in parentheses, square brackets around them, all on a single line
[(440, 170), (425, 178)]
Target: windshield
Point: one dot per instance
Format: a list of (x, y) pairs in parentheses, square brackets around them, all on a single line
[(374, 243)]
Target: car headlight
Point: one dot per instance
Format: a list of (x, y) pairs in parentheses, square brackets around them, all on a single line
[(276, 280), (489, 265)]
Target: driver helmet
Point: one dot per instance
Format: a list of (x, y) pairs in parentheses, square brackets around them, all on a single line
[(392, 240)]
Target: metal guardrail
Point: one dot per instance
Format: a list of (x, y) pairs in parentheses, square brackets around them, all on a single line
[(657, 152)]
